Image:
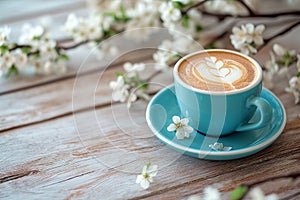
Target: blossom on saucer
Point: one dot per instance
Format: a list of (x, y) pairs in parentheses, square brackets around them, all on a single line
[(181, 127), (258, 194), (144, 179), (219, 147)]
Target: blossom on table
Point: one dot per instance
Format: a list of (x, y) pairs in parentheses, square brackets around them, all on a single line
[(219, 147), (210, 193), (120, 89), (148, 172), (129, 87), (181, 127), (257, 194), (247, 38), (132, 69)]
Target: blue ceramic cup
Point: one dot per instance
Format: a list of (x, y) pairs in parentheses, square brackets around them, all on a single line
[(219, 113)]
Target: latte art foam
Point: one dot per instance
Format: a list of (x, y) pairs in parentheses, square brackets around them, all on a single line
[(217, 71)]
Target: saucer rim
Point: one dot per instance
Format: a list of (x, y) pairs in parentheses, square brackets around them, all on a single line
[(215, 153)]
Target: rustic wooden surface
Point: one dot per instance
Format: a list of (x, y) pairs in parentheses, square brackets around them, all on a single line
[(61, 137)]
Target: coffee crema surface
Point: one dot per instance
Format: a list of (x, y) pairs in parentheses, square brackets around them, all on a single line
[(217, 71)]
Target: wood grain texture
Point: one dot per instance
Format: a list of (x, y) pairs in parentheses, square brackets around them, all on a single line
[(61, 137), (105, 154)]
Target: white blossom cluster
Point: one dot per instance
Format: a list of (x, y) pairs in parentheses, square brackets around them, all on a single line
[(280, 63), (247, 38), (33, 50), (128, 87), (212, 193)]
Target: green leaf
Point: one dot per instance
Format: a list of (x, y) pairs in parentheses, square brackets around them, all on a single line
[(37, 37), (4, 48), (119, 74), (11, 70), (26, 50), (185, 21), (143, 86), (238, 192), (62, 57), (298, 74), (199, 27), (178, 5)]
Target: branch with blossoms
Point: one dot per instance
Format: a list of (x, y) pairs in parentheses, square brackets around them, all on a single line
[(185, 20)]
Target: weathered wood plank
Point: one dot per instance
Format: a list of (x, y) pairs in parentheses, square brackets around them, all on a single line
[(64, 97), (84, 156), (15, 11)]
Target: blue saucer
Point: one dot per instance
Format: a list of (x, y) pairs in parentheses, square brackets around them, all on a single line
[(163, 107)]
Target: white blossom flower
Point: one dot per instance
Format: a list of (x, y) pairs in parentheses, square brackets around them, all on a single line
[(132, 97), (47, 48), (169, 12), (161, 58), (239, 35), (211, 193), (219, 147), (20, 59), (132, 69), (181, 127), (281, 51), (143, 15), (120, 89), (225, 7), (294, 88), (144, 179), (8, 59), (257, 194), (255, 33), (4, 34), (30, 32), (247, 38)]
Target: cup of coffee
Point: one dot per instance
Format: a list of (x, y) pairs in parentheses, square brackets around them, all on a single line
[(219, 91)]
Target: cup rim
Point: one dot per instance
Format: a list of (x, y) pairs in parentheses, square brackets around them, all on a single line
[(254, 84)]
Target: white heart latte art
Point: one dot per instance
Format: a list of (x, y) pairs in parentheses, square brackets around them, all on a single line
[(215, 71)]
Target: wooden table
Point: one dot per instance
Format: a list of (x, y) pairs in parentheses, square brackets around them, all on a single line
[(61, 137)]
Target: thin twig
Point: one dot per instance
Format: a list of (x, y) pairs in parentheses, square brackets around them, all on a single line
[(153, 75), (193, 6), (247, 7), (250, 15), (72, 46)]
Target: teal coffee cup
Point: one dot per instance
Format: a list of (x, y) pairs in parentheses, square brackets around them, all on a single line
[(219, 91)]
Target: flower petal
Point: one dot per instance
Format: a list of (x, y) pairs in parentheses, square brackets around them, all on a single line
[(188, 129), (184, 121), (171, 127), (279, 50), (180, 134), (176, 119), (145, 183), (139, 178), (260, 28)]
